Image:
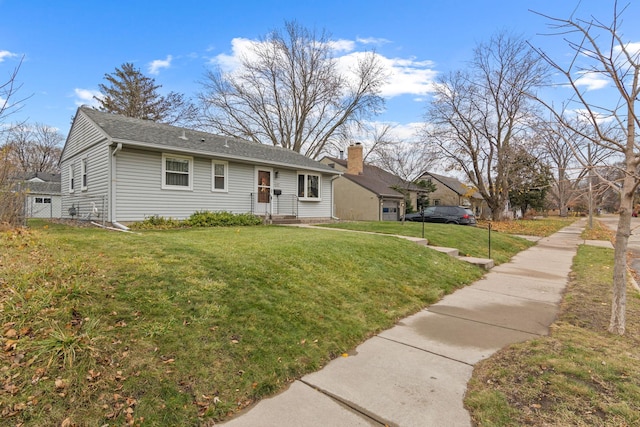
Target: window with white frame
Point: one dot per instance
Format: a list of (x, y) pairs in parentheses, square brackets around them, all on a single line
[(177, 172), (43, 199), (219, 172), (83, 174), (72, 182), (309, 186)]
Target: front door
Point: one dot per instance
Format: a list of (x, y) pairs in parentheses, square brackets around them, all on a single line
[(263, 198)]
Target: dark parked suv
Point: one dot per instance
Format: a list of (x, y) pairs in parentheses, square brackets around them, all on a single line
[(444, 214)]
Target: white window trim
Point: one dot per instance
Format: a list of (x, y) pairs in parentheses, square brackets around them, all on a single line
[(306, 186), (84, 179), (213, 176), (71, 180), (166, 186)]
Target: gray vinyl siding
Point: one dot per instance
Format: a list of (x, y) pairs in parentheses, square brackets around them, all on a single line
[(288, 183), (140, 194), (319, 209), (85, 141), (95, 197), (83, 134)]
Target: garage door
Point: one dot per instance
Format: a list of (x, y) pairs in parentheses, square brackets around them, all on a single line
[(390, 210)]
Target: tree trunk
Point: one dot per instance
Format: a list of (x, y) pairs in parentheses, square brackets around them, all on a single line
[(619, 302)]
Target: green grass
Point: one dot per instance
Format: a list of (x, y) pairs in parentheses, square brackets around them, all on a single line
[(183, 327), (580, 375), (598, 232), (470, 241), (529, 227)]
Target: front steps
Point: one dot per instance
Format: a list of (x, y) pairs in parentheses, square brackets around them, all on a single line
[(484, 263)]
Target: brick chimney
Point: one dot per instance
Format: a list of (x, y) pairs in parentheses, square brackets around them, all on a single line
[(355, 164)]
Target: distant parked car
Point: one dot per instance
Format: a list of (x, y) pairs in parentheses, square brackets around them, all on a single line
[(444, 214)]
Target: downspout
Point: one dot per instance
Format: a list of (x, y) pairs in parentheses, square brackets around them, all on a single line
[(112, 198), (332, 202)]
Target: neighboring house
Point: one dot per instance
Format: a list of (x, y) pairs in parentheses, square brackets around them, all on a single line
[(123, 169), (42, 194), (450, 191), (365, 192)]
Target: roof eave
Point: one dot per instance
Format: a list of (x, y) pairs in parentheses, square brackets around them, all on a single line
[(208, 153)]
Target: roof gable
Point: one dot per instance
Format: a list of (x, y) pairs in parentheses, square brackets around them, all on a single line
[(376, 179), (152, 135), (454, 184)]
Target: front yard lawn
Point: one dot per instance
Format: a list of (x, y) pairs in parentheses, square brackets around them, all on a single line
[(183, 327)]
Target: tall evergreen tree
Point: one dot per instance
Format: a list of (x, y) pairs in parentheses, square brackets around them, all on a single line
[(129, 92)]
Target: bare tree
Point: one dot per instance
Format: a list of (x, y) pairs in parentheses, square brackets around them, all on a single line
[(600, 51), (8, 91), (130, 93), (10, 200), (289, 91), (567, 151), (34, 148), (407, 160), (479, 114)]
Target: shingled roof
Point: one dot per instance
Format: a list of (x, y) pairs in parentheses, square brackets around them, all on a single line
[(37, 187), (152, 135), (376, 179), (453, 184)]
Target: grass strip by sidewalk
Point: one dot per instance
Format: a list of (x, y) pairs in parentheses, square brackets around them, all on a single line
[(184, 327), (580, 375), (470, 241)]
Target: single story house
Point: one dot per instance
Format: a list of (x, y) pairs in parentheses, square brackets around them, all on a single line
[(365, 192), (450, 191), (122, 169), (42, 198)]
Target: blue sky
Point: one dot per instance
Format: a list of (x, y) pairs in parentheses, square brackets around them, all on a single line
[(68, 46)]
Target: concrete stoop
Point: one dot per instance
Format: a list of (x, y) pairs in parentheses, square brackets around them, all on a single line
[(449, 251), (484, 263)]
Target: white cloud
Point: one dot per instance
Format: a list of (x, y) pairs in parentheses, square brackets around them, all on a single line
[(4, 54), (632, 48), (592, 81), (372, 40), (85, 97), (342, 45), (408, 131), (407, 76), (156, 65), (240, 47), (585, 116)]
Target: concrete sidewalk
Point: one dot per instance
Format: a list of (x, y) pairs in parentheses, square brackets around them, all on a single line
[(416, 373)]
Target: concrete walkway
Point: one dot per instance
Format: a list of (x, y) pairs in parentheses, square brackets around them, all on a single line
[(416, 373)]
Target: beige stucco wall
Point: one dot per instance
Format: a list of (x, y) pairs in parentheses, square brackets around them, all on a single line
[(445, 195), (355, 203)]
